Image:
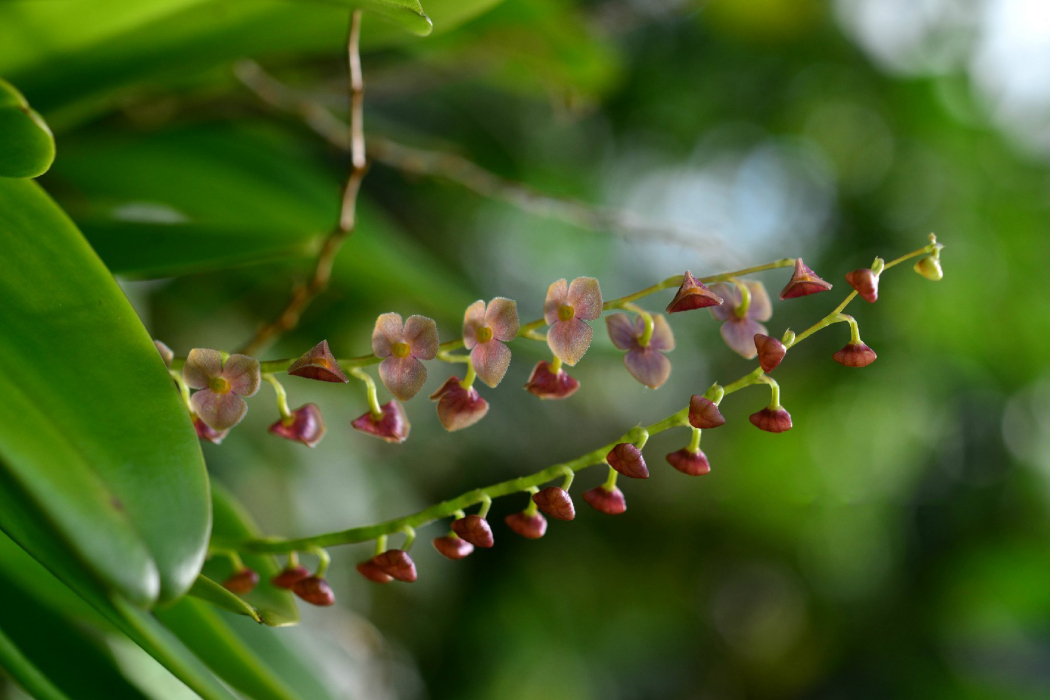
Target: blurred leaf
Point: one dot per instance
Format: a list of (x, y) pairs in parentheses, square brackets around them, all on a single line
[(27, 147), (25, 673), (91, 430), (207, 590)]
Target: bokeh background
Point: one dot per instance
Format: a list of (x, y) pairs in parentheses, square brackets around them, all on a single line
[(894, 544)]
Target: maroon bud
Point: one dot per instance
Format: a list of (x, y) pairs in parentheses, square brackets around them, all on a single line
[(314, 591), (531, 526), (397, 564), (457, 407), (370, 571), (855, 355), (320, 364), (865, 282), (704, 413), (610, 502), (206, 432), (165, 352), (392, 424), (772, 420), (453, 547), (289, 577), (803, 282), (693, 294), (241, 582), (555, 502), (474, 529), (305, 425), (689, 462), (627, 459), (770, 352), (550, 385)]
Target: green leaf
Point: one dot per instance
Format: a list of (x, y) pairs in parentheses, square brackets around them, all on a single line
[(94, 440), (25, 673), (211, 592), (27, 147)]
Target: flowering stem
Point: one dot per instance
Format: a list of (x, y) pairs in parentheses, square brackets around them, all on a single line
[(647, 318), (184, 390), (410, 537), (854, 329), (569, 476), (774, 397), (694, 444), (610, 481), (530, 510), (323, 560), (555, 365), (282, 396), (373, 398), (468, 381), (745, 298)]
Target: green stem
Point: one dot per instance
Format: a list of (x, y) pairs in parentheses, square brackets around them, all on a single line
[(323, 560), (282, 396), (745, 298), (468, 381), (646, 317), (555, 365), (410, 538), (373, 396), (610, 481), (774, 398), (694, 444), (184, 389)]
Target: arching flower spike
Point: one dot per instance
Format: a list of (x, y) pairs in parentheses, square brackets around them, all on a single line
[(646, 363), (567, 307), (403, 345), (693, 294), (485, 329), (319, 363), (742, 321), (220, 386)]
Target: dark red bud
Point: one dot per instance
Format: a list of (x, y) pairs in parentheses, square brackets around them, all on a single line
[(689, 462), (772, 420), (289, 577), (531, 526), (610, 502), (392, 424), (241, 582), (770, 352), (474, 529), (693, 294), (397, 564), (865, 282), (627, 459), (704, 413), (320, 364), (370, 571), (457, 407), (453, 547), (855, 355), (803, 282), (305, 425), (555, 502), (314, 591), (206, 432), (550, 385)]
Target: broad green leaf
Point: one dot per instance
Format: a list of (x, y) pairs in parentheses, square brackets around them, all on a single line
[(93, 437), (207, 590), (25, 673), (27, 147)]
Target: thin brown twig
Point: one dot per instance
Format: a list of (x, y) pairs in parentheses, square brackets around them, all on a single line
[(464, 172), (354, 136)]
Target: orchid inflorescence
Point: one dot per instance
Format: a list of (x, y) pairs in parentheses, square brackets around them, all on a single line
[(400, 347)]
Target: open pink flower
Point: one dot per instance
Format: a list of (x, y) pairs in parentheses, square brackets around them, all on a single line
[(457, 407), (646, 363), (392, 424), (741, 325), (220, 386), (305, 425), (567, 307), (485, 329), (403, 345), (550, 385)]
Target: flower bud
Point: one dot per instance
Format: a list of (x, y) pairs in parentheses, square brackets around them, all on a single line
[(704, 413), (453, 547), (320, 364), (693, 294), (370, 571), (289, 577), (929, 267), (165, 352), (772, 420), (627, 459), (550, 385), (305, 425), (205, 432), (457, 407), (610, 502), (803, 282), (392, 424), (474, 529), (397, 564), (314, 591), (241, 582), (555, 502), (689, 462), (866, 282), (770, 352), (855, 355), (530, 526)]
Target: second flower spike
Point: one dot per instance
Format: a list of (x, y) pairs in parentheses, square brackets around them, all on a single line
[(402, 346), (485, 330)]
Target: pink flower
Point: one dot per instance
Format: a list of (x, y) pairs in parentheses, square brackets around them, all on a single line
[(220, 386), (392, 424), (646, 363), (567, 307), (530, 526), (457, 407), (689, 462), (865, 282), (693, 294), (305, 425), (485, 329), (803, 282), (741, 325), (319, 364), (550, 385), (205, 433), (403, 345)]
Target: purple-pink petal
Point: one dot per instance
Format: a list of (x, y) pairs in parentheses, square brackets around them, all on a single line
[(305, 425), (402, 376), (421, 334), (557, 296), (739, 334), (490, 360), (218, 411), (663, 338), (201, 366), (473, 319), (648, 365), (392, 424), (761, 308), (569, 340), (388, 330), (242, 372), (623, 331), (502, 317), (585, 296)]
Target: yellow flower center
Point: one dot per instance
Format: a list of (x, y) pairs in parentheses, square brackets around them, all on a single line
[(566, 312), (484, 334), (400, 350), (219, 385)]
